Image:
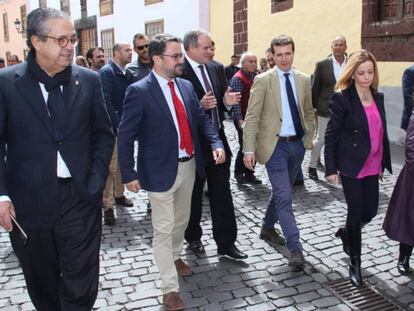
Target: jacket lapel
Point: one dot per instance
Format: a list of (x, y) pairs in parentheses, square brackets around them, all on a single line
[(71, 91), (30, 90), (300, 94), (159, 98), (189, 72), (210, 72), (330, 70), (275, 87), (358, 109)]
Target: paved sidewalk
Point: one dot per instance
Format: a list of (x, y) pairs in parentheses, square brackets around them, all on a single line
[(129, 278)]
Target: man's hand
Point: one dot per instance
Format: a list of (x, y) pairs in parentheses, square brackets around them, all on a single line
[(208, 101), (334, 179), (6, 208), (249, 161), (240, 123), (231, 98), (133, 186), (219, 156)]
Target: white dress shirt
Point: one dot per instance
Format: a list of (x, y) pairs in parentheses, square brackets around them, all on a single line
[(288, 128), (168, 97), (337, 67)]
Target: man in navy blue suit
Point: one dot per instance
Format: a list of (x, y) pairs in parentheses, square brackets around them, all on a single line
[(55, 145), (115, 80), (163, 113)]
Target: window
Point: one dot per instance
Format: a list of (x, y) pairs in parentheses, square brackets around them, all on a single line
[(106, 7), (42, 3), (154, 27), (5, 27), (65, 6), (281, 5), (387, 29), (107, 41), (87, 40), (148, 2), (23, 19)]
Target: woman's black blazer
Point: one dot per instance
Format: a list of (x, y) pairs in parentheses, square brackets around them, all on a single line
[(347, 141)]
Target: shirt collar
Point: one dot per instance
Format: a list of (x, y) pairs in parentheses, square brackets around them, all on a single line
[(281, 73), (337, 63), (193, 63), (119, 67), (161, 81)]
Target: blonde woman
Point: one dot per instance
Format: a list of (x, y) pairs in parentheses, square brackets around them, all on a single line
[(357, 149)]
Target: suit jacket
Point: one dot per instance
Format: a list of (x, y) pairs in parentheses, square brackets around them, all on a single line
[(148, 117), (215, 71), (408, 94), (347, 140), (114, 85), (323, 86), (28, 163), (264, 114)]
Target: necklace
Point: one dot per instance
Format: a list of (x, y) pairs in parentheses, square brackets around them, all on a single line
[(365, 97)]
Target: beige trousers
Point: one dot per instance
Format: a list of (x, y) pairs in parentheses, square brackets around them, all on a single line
[(114, 186), (170, 215)]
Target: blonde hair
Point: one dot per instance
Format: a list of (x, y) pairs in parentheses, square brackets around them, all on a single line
[(355, 59)]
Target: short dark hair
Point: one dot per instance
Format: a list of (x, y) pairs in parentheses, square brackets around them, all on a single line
[(138, 36), (36, 23), (158, 44), (15, 57), (1, 60), (89, 54), (282, 40)]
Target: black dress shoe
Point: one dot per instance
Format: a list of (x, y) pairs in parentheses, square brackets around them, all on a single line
[(124, 201), (149, 210), (196, 246), (313, 174), (240, 178), (298, 182), (232, 252), (251, 179)]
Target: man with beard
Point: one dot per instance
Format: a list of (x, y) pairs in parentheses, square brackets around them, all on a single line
[(59, 143), (168, 155), (96, 58), (141, 67)]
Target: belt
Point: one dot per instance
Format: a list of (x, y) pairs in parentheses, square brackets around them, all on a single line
[(289, 138), (185, 159), (62, 180)]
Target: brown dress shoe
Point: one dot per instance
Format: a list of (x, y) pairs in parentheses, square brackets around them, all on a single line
[(172, 301), (296, 261), (182, 268), (124, 201), (272, 235)]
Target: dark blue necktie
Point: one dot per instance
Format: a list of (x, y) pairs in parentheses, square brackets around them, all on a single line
[(293, 108)]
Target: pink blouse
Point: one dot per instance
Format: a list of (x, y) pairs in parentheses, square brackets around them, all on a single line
[(373, 164)]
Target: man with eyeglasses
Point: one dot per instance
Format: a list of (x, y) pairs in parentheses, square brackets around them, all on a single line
[(59, 143), (163, 113), (141, 67), (115, 80)]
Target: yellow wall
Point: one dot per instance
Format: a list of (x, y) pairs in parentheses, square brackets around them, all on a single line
[(311, 23), (16, 43)]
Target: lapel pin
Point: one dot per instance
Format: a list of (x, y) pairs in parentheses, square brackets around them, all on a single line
[(76, 82)]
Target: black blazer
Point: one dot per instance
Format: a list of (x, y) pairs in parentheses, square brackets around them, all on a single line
[(28, 164), (347, 141), (323, 86), (215, 71)]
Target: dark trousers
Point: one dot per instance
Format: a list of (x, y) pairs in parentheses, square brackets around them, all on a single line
[(61, 264), (221, 205), (361, 196), (239, 168)]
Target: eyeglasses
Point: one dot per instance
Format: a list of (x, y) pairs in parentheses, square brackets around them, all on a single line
[(176, 57), (63, 41), (141, 47)]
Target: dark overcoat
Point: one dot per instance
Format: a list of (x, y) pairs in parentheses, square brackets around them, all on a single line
[(399, 220)]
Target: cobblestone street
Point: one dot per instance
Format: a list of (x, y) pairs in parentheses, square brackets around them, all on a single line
[(129, 279)]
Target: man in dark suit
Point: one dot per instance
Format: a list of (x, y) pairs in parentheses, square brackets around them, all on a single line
[(325, 75), (56, 143), (232, 68), (163, 112), (209, 81), (115, 80), (408, 94)]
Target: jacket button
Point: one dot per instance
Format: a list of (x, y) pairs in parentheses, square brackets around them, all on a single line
[(355, 145), (356, 131), (277, 135)]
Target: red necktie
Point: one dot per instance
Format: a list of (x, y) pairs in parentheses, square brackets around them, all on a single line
[(183, 125)]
